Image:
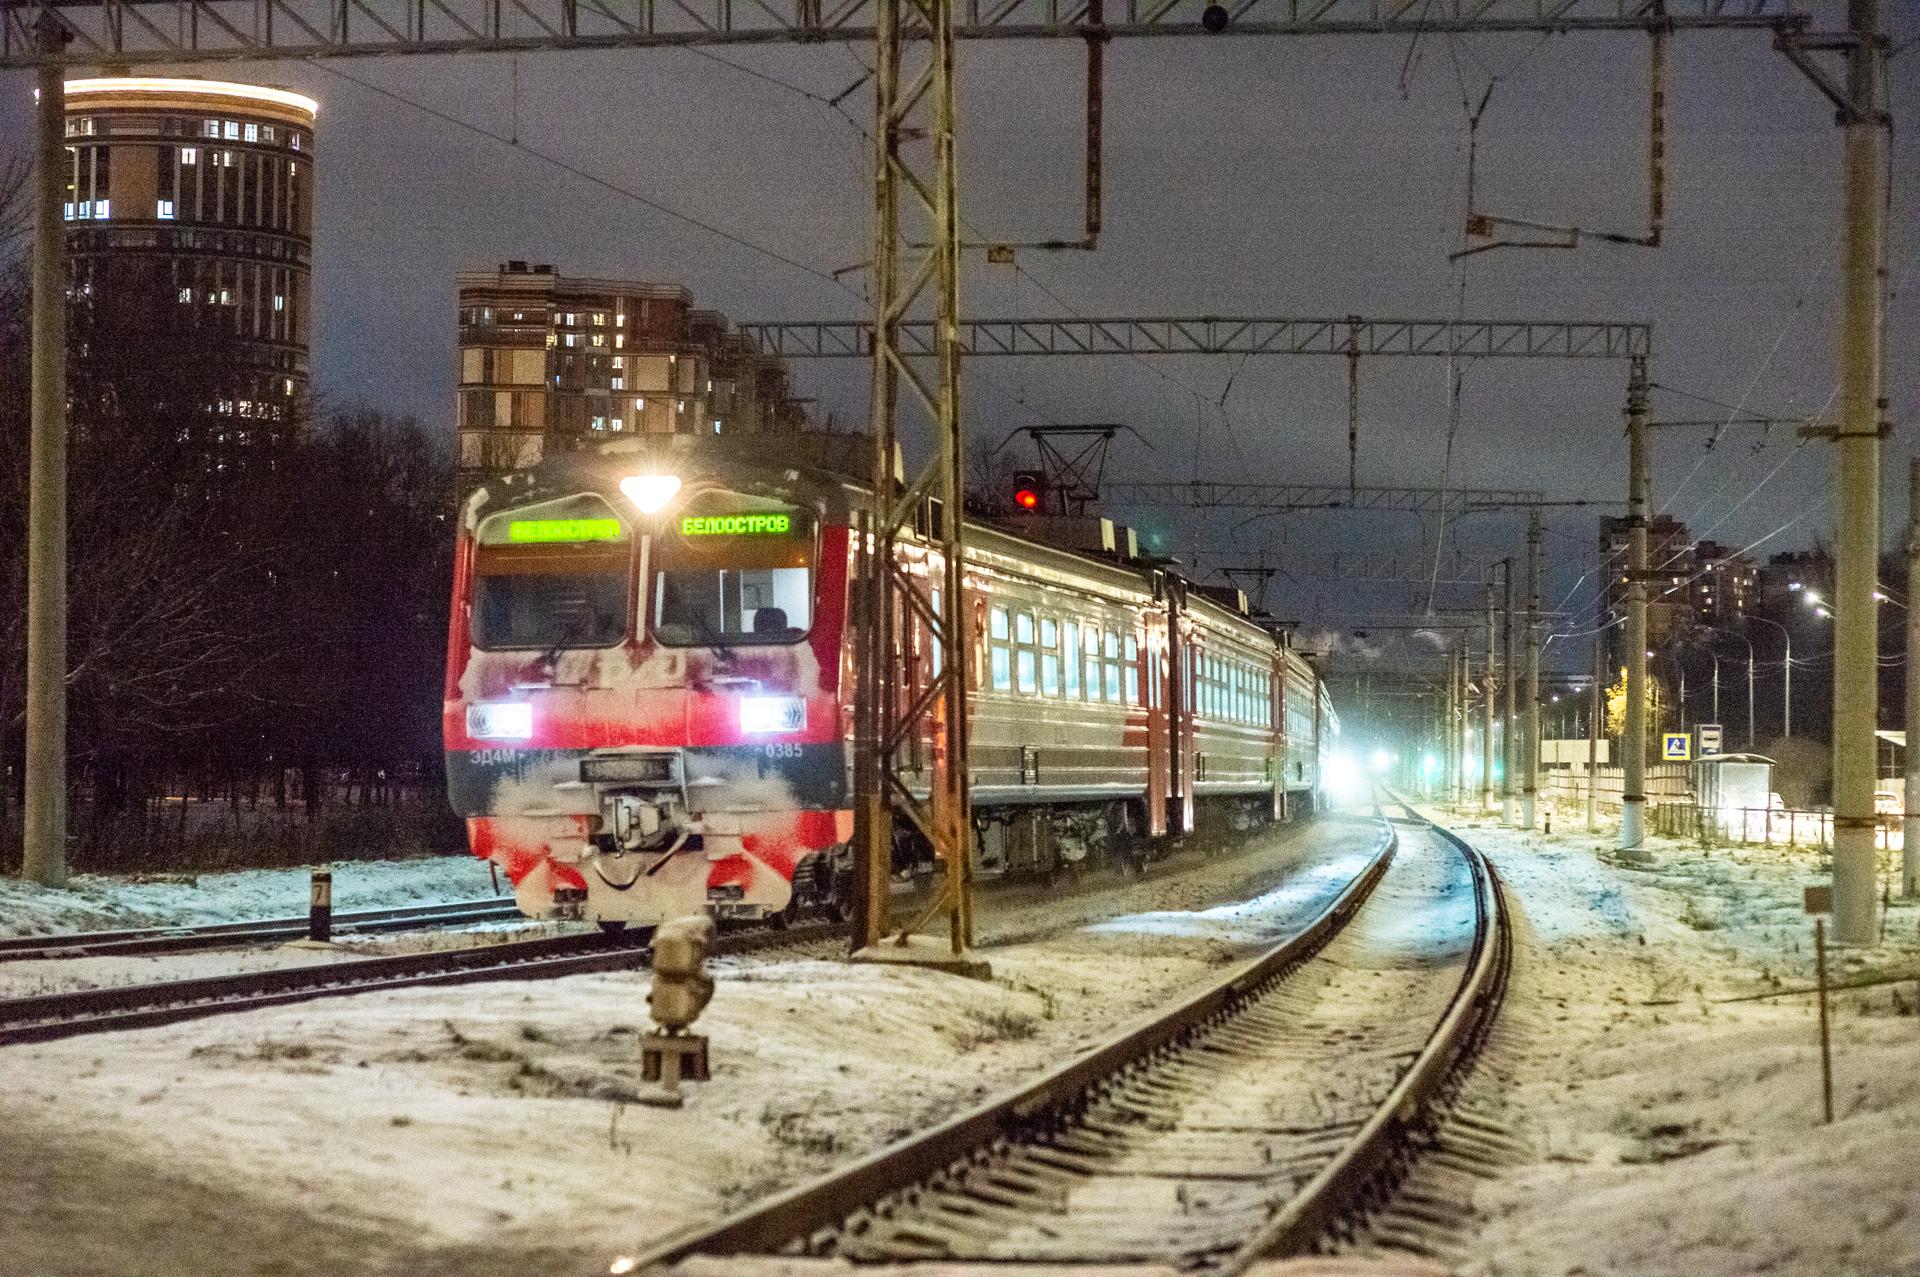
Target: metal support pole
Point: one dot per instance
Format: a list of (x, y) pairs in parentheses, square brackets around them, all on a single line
[(1910, 825), (1530, 784), (44, 858), (1597, 700), (912, 109), (1486, 715), (1857, 475), (1786, 705), (1633, 748), (1751, 659), (1511, 721), (1716, 683)]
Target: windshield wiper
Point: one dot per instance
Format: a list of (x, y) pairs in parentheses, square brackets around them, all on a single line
[(707, 634)]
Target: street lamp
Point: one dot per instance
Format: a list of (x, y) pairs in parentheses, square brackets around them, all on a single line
[(1750, 664)]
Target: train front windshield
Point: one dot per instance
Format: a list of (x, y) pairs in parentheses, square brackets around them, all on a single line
[(552, 576), (732, 571)]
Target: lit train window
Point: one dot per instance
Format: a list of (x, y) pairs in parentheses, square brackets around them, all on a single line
[(1091, 647), (1023, 627), (1113, 667), (1024, 671), (732, 570), (552, 576), (1002, 668), (1072, 647), (1133, 670), (997, 623)]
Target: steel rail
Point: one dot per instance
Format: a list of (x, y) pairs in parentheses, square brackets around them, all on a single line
[(44, 1017), (822, 1203), (1358, 1173), (189, 936)]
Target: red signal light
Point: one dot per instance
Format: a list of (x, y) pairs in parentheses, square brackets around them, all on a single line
[(1026, 499)]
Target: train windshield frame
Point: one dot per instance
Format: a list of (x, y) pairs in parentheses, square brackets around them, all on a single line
[(732, 570), (552, 577)]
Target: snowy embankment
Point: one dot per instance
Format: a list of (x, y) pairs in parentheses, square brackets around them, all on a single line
[(1676, 1118), (99, 902), (489, 1129)]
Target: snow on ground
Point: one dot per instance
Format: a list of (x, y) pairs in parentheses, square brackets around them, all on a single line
[(98, 902), (488, 1129), (1678, 1129)]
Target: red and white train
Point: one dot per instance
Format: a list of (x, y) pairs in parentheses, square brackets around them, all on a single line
[(649, 691)]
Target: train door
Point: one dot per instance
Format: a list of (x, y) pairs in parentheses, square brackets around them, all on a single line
[(1153, 660), (1277, 732), (1180, 698)]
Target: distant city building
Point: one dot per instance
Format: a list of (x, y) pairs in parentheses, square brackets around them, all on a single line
[(1724, 584), (1694, 584), (550, 362), (198, 194), (1670, 562)]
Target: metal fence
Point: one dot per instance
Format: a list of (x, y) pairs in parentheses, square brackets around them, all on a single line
[(1760, 826)]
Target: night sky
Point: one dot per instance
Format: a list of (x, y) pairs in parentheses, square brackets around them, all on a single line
[(1243, 176)]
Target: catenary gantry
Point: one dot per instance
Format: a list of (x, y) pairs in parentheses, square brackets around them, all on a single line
[(160, 31)]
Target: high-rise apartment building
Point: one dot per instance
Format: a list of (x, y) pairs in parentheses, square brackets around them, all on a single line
[(197, 195), (1690, 583), (549, 362)]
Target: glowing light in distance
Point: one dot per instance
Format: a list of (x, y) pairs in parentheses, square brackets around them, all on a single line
[(624, 1264), (1342, 778), (1027, 499), (762, 714), (1381, 760), (510, 720), (650, 492)]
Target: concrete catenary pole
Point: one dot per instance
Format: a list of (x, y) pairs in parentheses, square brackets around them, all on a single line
[(1530, 782), (1597, 707), (44, 858), (1857, 476), (1486, 714), (1633, 745), (1509, 720), (1910, 826)]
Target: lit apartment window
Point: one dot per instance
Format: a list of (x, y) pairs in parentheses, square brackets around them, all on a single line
[(519, 315), (289, 386), (619, 361), (639, 405), (619, 423), (100, 207), (293, 169), (163, 210), (599, 339), (225, 296), (186, 294), (599, 423), (68, 210), (253, 133), (599, 319), (266, 132), (210, 129), (619, 321), (571, 338), (293, 140), (232, 131), (619, 383), (189, 155), (619, 341), (279, 301), (680, 406)]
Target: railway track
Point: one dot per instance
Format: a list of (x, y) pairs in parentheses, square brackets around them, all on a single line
[(45, 1017), (219, 935), (1274, 1113)]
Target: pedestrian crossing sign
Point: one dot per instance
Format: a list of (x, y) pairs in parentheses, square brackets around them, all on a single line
[(1676, 747)]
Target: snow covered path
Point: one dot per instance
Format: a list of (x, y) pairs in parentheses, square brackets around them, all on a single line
[(486, 1129), (1678, 1130)]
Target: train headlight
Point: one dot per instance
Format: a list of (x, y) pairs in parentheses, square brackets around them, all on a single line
[(761, 714), (512, 720), (650, 492)]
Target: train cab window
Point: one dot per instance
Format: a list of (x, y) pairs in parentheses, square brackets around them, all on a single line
[(1071, 645), (1132, 670), (552, 576), (732, 571), (1049, 657), (1000, 656)]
